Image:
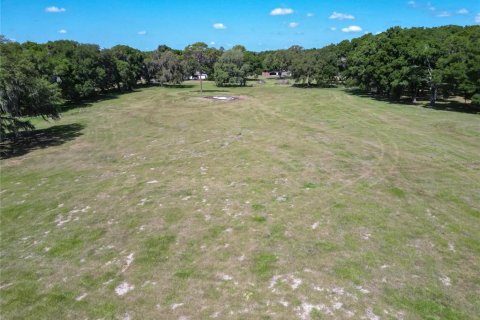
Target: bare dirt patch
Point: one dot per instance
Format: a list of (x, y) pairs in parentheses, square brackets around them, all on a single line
[(223, 98)]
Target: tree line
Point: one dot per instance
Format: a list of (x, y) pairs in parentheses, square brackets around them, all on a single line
[(36, 78), (398, 62)]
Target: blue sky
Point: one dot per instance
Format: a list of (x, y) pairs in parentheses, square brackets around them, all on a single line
[(257, 24)]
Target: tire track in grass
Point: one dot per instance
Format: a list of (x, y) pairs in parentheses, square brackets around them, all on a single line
[(380, 156), (449, 219), (392, 144), (427, 137), (380, 147)]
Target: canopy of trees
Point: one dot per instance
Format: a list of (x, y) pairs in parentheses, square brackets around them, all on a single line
[(408, 61), (319, 66), (398, 62), (36, 78), (231, 68), (166, 67), (23, 90)]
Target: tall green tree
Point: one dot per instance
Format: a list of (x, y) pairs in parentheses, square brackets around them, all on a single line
[(279, 60), (129, 64), (230, 68), (170, 68), (319, 65), (442, 61), (255, 61), (200, 58), (24, 92), (76, 67)]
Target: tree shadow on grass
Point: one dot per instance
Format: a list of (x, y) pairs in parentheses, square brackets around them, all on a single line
[(365, 94), (179, 86), (167, 85), (88, 102), (423, 101), (236, 86), (39, 139), (313, 86), (454, 106)]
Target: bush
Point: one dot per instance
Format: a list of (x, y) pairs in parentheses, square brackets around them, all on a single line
[(476, 100)]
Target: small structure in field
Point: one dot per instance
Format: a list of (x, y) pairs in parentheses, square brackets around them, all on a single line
[(276, 74), (198, 76)]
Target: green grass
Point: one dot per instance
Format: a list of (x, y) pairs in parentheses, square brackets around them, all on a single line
[(155, 250), (184, 274), (259, 218), (258, 208), (428, 303), (264, 264)]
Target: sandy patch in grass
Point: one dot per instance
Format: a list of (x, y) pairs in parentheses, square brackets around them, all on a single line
[(4, 286), (224, 277), (128, 262), (362, 289), (305, 310), (60, 220), (289, 279), (446, 281), (124, 288), (176, 305), (81, 297), (451, 246), (224, 98), (370, 315), (126, 316)]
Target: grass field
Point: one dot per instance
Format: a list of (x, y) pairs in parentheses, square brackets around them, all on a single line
[(287, 204)]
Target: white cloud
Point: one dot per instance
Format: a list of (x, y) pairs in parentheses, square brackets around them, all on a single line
[(219, 26), (341, 16), (310, 14), (212, 43), (352, 29), (54, 9), (421, 6), (293, 24), (333, 28), (477, 18), (281, 11), (142, 33), (443, 14), (462, 11), (62, 31)]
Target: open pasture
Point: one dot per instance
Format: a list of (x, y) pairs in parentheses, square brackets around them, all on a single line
[(288, 203)]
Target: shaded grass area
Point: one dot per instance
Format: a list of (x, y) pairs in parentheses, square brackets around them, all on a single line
[(39, 139), (441, 104), (290, 203)]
